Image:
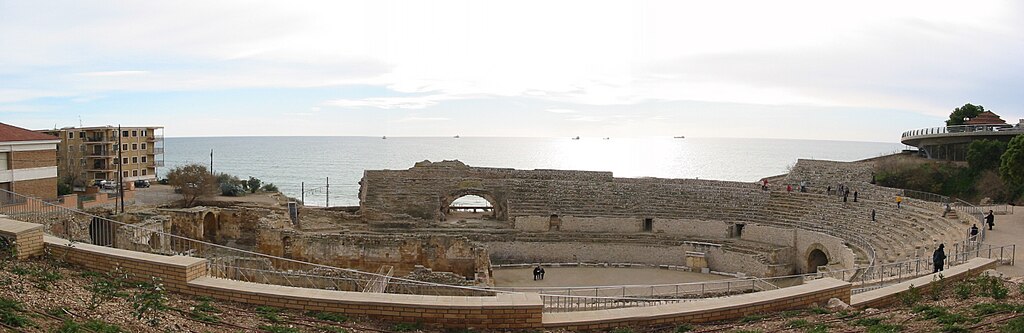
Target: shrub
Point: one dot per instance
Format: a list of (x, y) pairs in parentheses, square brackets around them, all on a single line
[(64, 189), (1014, 326), (230, 190), (938, 287), (963, 290), (911, 296), (11, 313), (68, 326), (406, 327), (253, 184), (270, 187), (684, 328)]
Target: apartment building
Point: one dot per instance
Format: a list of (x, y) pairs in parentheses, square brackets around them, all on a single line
[(28, 163), (87, 154)]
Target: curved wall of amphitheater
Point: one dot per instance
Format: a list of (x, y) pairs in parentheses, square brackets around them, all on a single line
[(565, 216)]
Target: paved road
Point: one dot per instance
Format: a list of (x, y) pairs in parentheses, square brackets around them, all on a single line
[(1009, 229)]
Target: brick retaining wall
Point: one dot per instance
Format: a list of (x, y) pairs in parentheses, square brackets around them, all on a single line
[(888, 295)]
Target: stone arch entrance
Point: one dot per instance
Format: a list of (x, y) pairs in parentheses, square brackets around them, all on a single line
[(816, 257), (499, 209), (210, 227)]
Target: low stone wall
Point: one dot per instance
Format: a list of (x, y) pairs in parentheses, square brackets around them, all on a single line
[(813, 293), (888, 295), (27, 237), (174, 271)]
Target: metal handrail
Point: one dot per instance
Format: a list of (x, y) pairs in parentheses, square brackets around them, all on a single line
[(959, 129)]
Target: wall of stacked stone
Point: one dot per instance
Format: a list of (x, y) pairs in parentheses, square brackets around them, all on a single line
[(720, 258), (422, 190), (368, 252), (803, 242), (25, 238)]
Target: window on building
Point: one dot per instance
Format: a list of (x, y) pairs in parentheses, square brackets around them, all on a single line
[(83, 162), (135, 146), (648, 225), (82, 148), (71, 135), (124, 134), (81, 134), (143, 132), (135, 160), (3, 161), (124, 160), (144, 159), (135, 133), (135, 173), (124, 173), (144, 172), (124, 146), (143, 146)]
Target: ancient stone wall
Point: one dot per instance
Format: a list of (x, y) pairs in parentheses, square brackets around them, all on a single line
[(368, 252), (425, 190)]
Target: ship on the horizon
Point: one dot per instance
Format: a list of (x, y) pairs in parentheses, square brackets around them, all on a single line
[(384, 137), (679, 137), (456, 136), (576, 138)]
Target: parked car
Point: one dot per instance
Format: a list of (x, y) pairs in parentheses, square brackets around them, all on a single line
[(108, 185), (141, 183)]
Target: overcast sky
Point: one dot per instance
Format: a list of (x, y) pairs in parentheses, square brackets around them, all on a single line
[(859, 70)]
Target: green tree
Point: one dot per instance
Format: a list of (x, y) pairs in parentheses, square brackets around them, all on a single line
[(1011, 164), (967, 111), (985, 154), (194, 181), (254, 184)]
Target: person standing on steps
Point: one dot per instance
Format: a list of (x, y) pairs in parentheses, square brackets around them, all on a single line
[(854, 196), (873, 215), (846, 195), (828, 190), (990, 219), (899, 200), (939, 258), (974, 233)]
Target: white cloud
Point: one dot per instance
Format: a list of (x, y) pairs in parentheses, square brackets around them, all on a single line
[(114, 73), (561, 111), (386, 102), (422, 119)]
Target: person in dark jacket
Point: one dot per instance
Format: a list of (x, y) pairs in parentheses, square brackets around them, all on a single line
[(536, 273), (939, 258), (990, 220)]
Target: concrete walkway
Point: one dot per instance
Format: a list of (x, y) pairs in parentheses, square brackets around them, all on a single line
[(1009, 229)]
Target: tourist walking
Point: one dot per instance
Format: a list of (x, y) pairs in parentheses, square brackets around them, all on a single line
[(789, 188), (873, 215), (899, 200), (946, 211), (939, 258), (828, 190), (854, 196), (974, 232), (536, 273), (764, 184), (990, 219), (541, 273), (846, 195)]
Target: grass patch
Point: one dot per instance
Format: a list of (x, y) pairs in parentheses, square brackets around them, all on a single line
[(11, 313), (68, 326), (270, 313), (751, 318), (1014, 326), (818, 310), (100, 326), (279, 329), (877, 325), (819, 328), (798, 323), (406, 327), (983, 309), (684, 328), (327, 316), (622, 330)]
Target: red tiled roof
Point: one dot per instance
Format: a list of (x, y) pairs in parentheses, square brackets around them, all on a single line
[(986, 118), (10, 133)]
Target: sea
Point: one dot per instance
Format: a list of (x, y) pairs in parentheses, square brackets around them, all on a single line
[(325, 170)]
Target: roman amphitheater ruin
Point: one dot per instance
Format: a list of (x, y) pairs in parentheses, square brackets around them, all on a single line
[(409, 252)]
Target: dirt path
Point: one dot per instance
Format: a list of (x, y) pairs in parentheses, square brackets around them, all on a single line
[(1009, 229)]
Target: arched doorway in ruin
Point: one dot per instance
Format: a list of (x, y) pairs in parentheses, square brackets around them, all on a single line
[(477, 203), (210, 227), (816, 258)]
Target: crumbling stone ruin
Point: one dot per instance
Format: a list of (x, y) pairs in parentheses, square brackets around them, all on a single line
[(405, 222)]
